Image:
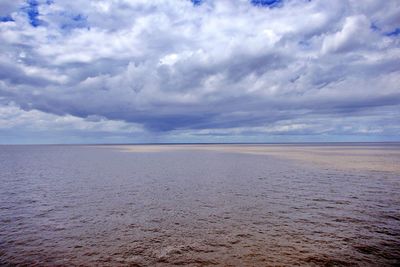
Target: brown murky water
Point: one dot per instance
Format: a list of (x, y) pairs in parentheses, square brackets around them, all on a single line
[(224, 205)]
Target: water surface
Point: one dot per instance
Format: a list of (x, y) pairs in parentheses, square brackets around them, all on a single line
[(198, 206)]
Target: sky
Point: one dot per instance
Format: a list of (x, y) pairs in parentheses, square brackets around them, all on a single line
[(138, 71)]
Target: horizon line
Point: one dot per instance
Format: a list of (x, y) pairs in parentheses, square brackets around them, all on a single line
[(200, 143)]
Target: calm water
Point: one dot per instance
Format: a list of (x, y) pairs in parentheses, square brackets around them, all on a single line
[(81, 205)]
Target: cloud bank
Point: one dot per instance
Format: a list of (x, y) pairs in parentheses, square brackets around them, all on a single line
[(199, 71)]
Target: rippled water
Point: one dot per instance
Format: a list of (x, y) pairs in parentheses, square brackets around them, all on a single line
[(88, 205)]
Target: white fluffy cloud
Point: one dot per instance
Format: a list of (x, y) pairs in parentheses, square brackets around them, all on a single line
[(175, 68)]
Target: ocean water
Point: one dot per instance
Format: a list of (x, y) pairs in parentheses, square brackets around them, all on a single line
[(112, 206)]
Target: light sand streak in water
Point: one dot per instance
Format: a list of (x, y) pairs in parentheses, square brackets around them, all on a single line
[(369, 158)]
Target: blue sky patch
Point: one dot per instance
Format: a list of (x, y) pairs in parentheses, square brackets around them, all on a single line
[(395, 32), (266, 3), (196, 2), (6, 19), (33, 12)]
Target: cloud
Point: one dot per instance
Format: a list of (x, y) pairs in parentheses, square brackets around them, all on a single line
[(264, 67), (352, 36), (39, 127), (9, 6)]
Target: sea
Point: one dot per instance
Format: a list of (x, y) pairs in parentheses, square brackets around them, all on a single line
[(200, 205)]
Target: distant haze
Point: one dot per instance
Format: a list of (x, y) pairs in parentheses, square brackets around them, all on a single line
[(89, 71)]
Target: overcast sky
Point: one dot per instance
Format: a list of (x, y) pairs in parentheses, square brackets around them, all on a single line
[(116, 71)]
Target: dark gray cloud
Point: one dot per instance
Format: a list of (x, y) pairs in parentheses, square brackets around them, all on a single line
[(170, 71)]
